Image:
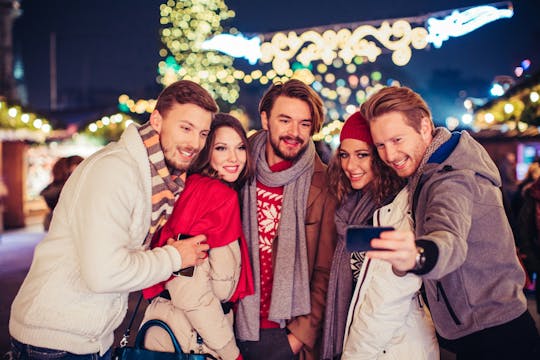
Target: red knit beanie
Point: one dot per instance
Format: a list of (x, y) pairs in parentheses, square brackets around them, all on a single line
[(356, 127)]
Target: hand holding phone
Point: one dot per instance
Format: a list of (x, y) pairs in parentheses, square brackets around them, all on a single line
[(358, 238)]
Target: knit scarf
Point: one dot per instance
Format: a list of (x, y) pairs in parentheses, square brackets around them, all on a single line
[(356, 209), (440, 137), (290, 288), (165, 187)]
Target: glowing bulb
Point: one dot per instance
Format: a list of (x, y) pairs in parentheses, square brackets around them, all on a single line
[(534, 96), (37, 123), (466, 119), (489, 118), (25, 118), (92, 127), (497, 90), (508, 108), (12, 112)]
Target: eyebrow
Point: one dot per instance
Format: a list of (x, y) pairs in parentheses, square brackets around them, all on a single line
[(289, 117)]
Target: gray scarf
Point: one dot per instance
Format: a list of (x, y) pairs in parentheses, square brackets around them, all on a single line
[(440, 136), (356, 209), (290, 289)]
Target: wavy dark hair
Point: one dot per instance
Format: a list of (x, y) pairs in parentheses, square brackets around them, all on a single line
[(201, 165), (385, 184)]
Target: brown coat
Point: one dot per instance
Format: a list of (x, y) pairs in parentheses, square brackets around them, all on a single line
[(321, 240)]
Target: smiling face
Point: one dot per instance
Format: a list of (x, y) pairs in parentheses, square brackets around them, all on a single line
[(399, 145), (289, 129), (182, 133), (355, 159), (229, 154)]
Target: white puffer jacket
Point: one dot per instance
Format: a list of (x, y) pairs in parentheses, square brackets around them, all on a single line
[(387, 318)]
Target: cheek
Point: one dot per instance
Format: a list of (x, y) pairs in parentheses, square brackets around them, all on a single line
[(214, 161), (242, 157)]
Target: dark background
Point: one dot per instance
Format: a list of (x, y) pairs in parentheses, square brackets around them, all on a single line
[(106, 48)]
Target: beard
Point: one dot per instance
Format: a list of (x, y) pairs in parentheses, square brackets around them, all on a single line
[(175, 164), (287, 156)]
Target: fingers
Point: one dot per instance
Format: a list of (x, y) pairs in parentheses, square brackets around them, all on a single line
[(193, 250)]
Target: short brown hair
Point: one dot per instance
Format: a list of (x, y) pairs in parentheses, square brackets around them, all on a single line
[(295, 89), (201, 165), (185, 92), (398, 99)]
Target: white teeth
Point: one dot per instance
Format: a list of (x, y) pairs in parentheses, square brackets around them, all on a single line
[(399, 163), (187, 153)]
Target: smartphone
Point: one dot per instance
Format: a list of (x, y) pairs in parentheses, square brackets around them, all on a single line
[(358, 238), (185, 271)]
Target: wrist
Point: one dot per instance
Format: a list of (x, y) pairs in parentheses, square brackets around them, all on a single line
[(427, 254)]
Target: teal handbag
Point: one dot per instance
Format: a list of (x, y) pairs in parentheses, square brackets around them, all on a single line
[(138, 352)]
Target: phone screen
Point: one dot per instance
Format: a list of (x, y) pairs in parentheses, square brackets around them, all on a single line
[(358, 238)]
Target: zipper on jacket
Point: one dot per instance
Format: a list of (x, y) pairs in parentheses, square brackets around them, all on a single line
[(440, 291)]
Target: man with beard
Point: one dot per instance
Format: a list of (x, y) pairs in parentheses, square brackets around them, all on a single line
[(288, 218), (97, 249), (462, 245)]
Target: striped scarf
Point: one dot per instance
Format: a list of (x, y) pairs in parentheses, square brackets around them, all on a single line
[(165, 187)]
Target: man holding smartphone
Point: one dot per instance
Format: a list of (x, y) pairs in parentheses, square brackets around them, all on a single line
[(463, 246)]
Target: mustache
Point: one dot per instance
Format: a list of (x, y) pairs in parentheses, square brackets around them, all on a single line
[(297, 139)]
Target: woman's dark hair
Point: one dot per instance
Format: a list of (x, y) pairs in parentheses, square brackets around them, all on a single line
[(201, 165), (385, 181)]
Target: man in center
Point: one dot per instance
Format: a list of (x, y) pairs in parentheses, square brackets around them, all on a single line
[(288, 219)]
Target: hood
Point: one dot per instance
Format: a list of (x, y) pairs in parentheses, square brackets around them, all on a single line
[(466, 154)]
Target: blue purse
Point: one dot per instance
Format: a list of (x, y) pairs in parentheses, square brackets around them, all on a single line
[(138, 352)]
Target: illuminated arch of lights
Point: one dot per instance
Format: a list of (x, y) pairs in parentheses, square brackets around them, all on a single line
[(196, 48)]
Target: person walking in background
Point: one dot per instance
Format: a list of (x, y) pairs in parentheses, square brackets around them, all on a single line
[(462, 245), (528, 240), (288, 219), (200, 302), (386, 317), (62, 169), (97, 249)]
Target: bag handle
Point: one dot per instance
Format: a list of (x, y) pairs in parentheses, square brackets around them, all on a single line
[(139, 340)]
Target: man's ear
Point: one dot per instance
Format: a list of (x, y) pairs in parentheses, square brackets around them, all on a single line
[(426, 130), (156, 120), (264, 120)]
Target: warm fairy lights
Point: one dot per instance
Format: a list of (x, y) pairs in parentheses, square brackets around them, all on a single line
[(186, 24), (18, 124)]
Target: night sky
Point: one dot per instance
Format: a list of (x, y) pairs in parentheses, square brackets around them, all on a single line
[(111, 47)]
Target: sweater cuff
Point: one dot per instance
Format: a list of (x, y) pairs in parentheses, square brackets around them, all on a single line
[(431, 253), (176, 259)]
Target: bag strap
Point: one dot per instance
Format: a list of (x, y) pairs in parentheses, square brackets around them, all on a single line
[(125, 337), (139, 340)]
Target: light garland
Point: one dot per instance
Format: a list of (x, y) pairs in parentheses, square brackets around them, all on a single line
[(19, 124)]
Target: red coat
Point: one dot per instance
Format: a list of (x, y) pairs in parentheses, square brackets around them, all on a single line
[(210, 207)]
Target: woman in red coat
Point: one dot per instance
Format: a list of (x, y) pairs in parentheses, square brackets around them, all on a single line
[(197, 303)]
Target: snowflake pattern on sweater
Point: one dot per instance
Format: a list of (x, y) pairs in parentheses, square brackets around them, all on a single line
[(269, 201)]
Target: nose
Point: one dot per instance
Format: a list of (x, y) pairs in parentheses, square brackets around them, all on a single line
[(197, 143), (389, 153), (349, 164), (294, 129), (232, 156)]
